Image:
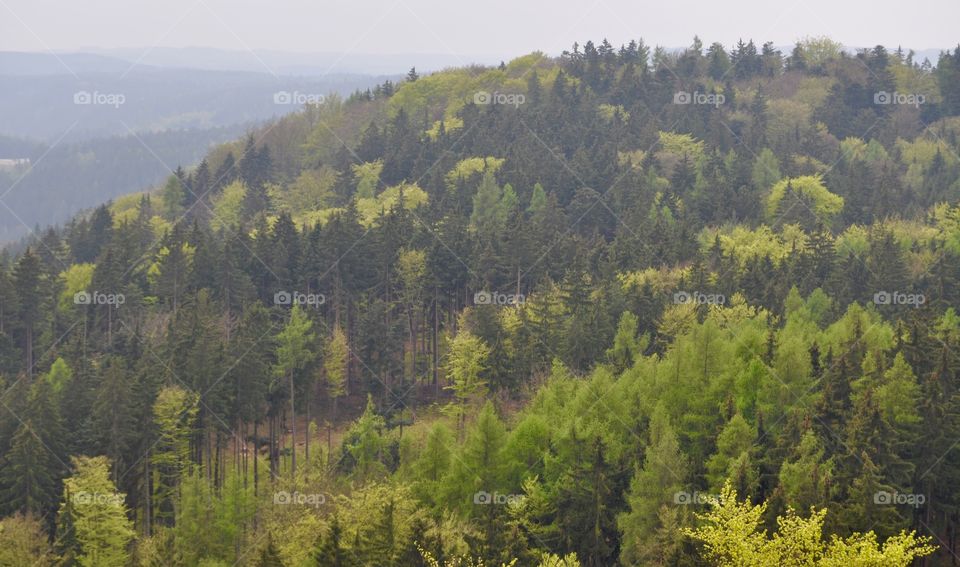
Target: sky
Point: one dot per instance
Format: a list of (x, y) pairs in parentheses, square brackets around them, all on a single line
[(465, 29)]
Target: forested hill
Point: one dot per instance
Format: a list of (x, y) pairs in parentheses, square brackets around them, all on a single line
[(621, 306)]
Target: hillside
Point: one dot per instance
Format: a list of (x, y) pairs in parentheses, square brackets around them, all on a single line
[(617, 307)]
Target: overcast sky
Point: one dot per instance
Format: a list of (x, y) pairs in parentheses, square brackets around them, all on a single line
[(464, 28)]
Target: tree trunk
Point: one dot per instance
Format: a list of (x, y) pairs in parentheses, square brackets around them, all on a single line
[(293, 433), (256, 456), (306, 437)]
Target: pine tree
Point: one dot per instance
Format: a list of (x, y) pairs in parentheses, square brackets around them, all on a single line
[(661, 482), (112, 422), (27, 282), (31, 470), (330, 549)]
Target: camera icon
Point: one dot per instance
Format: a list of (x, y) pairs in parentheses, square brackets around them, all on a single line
[(282, 298), (282, 97), (682, 97), (682, 498), (483, 298), (882, 97), (281, 497), (882, 498), (882, 298), (82, 498), (682, 298), (481, 97), (82, 97), (82, 298), (482, 497)]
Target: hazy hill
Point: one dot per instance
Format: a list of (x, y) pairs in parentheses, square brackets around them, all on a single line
[(38, 98)]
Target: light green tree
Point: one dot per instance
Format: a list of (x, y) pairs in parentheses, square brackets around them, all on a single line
[(23, 542), (732, 536), (466, 363), (766, 170), (654, 489), (626, 348), (97, 513), (228, 206), (294, 353), (174, 412)]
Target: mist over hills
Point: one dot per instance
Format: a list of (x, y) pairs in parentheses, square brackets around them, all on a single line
[(39, 100), (294, 63), (95, 126)]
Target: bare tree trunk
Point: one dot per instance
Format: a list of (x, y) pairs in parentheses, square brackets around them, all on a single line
[(147, 496), (436, 353), (256, 456), (306, 448), (293, 434)]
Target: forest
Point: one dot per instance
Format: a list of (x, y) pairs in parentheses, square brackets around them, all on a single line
[(621, 306)]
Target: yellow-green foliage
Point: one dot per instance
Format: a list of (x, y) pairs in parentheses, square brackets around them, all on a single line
[(910, 80), (309, 191), (367, 177), (370, 208), (633, 158), (124, 217), (947, 221), (294, 530), (855, 240), (159, 225), (362, 511), (922, 151), (310, 219), (745, 244), (810, 165), (915, 239), (153, 272), (674, 147), (466, 169), (660, 280), (858, 325), (442, 95), (680, 144), (813, 91), (449, 125), (786, 116), (125, 208), (825, 204), (228, 205), (75, 279), (609, 111), (819, 49), (732, 536)]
